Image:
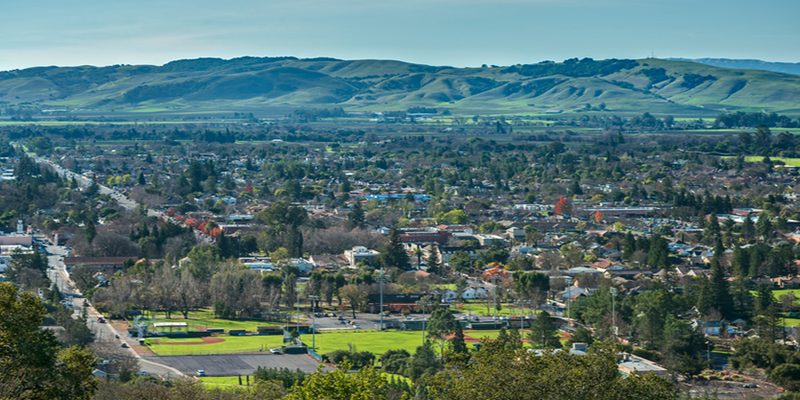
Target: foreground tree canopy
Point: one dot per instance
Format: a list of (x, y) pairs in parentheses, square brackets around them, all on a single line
[(502, 372), (32, 363)]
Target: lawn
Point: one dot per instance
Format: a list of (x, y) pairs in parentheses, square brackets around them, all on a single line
[(493, 334), (480, 309), (225, 380), (205, 318), (375, 342), (230, 345), (790, 162)]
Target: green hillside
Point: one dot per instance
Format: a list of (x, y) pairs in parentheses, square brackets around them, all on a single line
[(653, 85)]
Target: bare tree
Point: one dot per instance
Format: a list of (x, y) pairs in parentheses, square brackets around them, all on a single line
[(190, 292)]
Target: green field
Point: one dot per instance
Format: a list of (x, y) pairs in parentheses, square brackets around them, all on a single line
[(480, 309), (231, 345), (206, 319), (790, 162), (366, 340)]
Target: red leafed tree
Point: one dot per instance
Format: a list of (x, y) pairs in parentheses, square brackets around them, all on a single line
[(598, 217), (563, 206), (496, 271), (249, 188)]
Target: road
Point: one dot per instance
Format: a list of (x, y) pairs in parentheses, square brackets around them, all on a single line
[(58, 273), (121, 199), (103, 332)]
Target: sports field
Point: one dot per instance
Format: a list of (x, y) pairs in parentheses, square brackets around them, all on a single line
[(221, 344)]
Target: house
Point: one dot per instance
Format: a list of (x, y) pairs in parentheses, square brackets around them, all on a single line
[(475, 293), (446, 294), (487, 240), (359, 254), (330, 262)]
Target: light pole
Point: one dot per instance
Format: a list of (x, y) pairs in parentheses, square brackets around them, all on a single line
[(381, 310), (494, 283), (569, 299), (613, 291), (423, 303), (314, 300)]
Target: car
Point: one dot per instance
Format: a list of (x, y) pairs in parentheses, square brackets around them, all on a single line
[(101, 320), (275, 351), (201, 372), (124, 345), (145, 373), (750, 386)]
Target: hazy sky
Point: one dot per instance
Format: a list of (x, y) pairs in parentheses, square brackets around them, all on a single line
[(436, 32)]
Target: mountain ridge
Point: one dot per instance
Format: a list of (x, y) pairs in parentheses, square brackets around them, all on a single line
[(262, 82)]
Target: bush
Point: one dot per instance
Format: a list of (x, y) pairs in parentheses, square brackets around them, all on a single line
[(394, 361), (285, 376), (358, 359)]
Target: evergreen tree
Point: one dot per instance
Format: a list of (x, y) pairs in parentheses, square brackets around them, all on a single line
[(629, 246), (393, 254), (544, 332), (434, 265), (764, 226), (748, 230), (658, 254), (355, 218)]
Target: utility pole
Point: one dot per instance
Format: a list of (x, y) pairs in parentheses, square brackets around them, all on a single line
[(381, 310), (314, 300)]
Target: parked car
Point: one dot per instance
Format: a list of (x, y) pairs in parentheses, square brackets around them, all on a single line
[(101, 320), (124, 345), (201, 372), (275, 351), (750, 385)]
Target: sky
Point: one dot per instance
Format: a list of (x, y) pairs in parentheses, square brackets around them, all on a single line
[(457, 33)]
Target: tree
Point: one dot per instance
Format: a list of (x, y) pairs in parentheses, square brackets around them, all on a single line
[(33, 364), (355, 295), (434, 264), (499, 372), (355, 218), (392, 254), (423, 364), (366, 384), (658, 254), (441, 325), (393, 361), (572, 254), (581, 335), (543, 331), (787, 375), (531, 285), (764, 226)]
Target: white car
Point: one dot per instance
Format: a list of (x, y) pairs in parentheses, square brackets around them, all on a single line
[(275, 351)]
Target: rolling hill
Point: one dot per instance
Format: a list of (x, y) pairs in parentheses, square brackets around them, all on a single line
[(784, 67), (253, 83)]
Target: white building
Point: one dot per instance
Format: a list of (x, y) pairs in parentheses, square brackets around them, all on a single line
[(360, 254)]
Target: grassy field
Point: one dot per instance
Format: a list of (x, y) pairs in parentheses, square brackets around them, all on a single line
[(367, 340), (480, 309), (206, 319), (231, 345), (790, 162)]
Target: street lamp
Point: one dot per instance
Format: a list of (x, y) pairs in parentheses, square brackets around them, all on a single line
[(314, 300), (613, 291), (381, 310), (569, 299)]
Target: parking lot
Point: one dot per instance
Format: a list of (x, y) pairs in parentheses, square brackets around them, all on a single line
[(236, 364)]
